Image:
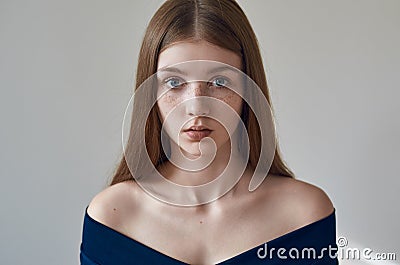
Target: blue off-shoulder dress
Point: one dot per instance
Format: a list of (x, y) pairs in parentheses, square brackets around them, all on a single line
[(313, 244)]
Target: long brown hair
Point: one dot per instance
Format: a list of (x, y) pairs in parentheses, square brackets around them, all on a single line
[(220, 22)]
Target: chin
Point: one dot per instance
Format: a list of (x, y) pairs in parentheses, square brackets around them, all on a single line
[(190, 153)]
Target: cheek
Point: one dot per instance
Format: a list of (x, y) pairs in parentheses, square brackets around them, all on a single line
[(165, 104), (233, 100), (169, 101)]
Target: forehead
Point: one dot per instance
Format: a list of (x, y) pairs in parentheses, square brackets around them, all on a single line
[(200, 50)]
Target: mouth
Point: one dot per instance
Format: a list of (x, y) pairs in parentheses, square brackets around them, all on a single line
[(197, 128), (197, 132)]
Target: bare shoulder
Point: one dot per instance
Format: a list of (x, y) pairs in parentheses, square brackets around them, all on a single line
[(111, 205), (303, 202)]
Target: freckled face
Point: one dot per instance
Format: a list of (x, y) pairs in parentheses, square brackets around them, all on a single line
[(189, 92)]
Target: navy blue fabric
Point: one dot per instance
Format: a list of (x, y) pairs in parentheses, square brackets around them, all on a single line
[(103, 245)]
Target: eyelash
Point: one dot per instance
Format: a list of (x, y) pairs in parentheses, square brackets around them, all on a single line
[(221, 77), (210, 83), (174, 78)]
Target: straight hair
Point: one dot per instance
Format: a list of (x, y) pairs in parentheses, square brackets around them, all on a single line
[(222, 23)]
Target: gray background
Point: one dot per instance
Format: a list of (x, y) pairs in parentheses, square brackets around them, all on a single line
[(66, 76)]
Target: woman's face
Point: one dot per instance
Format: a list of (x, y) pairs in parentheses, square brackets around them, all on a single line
[(191, 98)]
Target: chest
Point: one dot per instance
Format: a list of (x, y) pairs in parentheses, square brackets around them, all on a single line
[(203, 238)]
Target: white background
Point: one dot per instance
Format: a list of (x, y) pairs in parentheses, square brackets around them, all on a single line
[(67, 73)]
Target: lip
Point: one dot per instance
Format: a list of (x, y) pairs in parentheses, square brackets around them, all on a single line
[(197, 128), (197, 135)]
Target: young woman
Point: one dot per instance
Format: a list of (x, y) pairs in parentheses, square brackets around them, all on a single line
[(139, 219)]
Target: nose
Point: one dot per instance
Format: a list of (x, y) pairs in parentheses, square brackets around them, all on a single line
[(197, 101)]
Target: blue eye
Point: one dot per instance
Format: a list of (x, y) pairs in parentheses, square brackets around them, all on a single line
[(174, 82), (220, 82)]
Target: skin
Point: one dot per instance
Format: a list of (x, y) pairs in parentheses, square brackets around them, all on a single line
[(192, 111), (232, 224)]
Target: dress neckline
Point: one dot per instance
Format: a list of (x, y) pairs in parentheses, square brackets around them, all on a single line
[(279, 238)]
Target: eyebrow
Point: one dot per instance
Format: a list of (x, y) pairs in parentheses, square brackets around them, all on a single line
[(179, 71), (171, 70), (222, 69)]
